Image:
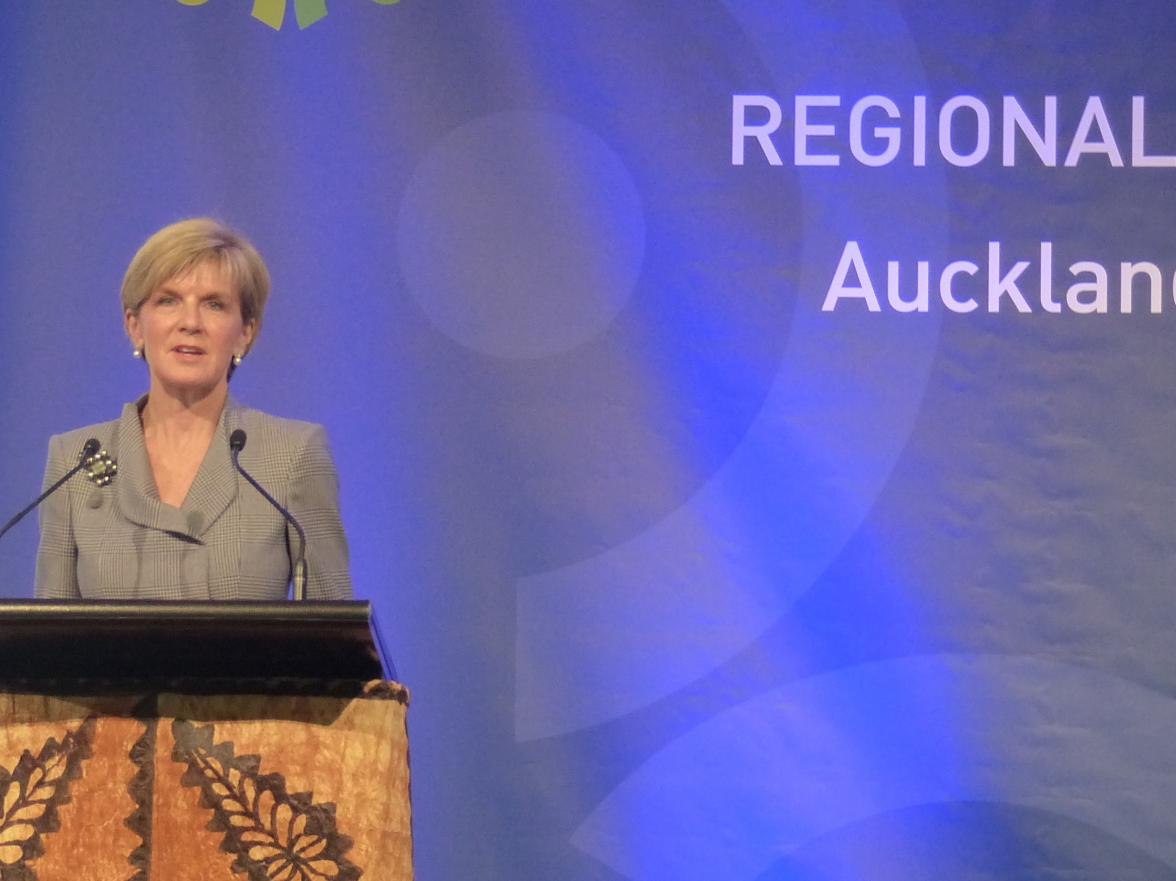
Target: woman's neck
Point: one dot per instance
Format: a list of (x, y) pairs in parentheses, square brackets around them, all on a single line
[(166, 415)]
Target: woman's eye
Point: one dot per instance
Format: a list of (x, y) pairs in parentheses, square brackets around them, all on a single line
[(216, 305)]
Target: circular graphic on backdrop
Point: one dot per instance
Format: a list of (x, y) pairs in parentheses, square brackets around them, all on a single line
[(521, 235), (610, 319)]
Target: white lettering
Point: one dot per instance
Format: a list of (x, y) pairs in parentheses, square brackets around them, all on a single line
[(920, 134), (922, 299), (851, 258), (1048, 303), (881, 130), (1128, 272), (806, 130), (1097, 287), (945, 290), (1016, 119), (891, 134), (1087, 294), (1004, 285), (947, 114), (1138, 156), (1094, 115), (741, 129)]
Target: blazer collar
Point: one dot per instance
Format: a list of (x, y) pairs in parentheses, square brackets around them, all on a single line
[(211, 493)]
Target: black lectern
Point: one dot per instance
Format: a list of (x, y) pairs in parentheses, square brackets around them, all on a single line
[(191, 641)]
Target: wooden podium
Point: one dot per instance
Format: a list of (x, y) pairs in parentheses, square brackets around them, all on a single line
[(200, 742)]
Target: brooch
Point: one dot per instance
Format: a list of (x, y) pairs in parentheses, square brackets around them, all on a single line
[(100, 468)]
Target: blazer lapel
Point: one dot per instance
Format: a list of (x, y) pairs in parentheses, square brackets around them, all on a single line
[(215, 486), (211, 492), (138, 497)]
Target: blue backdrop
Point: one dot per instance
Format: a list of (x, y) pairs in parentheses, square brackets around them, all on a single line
[(757, 464)]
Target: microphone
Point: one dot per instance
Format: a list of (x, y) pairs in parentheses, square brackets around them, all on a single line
[(236, 445), (88, 450)]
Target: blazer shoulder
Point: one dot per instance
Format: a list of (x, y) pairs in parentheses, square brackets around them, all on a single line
[(71, 442), (295, 431), (269, 436)]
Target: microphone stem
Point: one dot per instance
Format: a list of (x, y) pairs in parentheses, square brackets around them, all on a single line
[(300, 560), (300, 580), (15, 520)]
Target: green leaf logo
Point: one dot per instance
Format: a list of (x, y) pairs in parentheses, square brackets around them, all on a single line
[(273, 12)]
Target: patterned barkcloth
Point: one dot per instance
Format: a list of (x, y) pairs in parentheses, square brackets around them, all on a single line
[(183, 787)]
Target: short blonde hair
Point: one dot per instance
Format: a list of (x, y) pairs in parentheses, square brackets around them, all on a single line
[(180, 247)]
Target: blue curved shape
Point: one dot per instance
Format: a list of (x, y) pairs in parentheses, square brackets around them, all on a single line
[(750, 786), (978, 840), (608, 635)]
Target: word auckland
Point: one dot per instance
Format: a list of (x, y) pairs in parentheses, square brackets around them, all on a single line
[(966, 286), (876, 131)]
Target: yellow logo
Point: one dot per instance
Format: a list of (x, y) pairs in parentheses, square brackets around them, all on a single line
[(273, 12)]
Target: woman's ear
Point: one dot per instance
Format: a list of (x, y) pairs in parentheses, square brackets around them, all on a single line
[(247, 334), (131, 325)]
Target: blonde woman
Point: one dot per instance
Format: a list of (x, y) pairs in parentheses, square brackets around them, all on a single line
[(164, 514)]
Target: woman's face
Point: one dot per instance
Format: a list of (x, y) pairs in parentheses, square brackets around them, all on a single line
[(189, 329)]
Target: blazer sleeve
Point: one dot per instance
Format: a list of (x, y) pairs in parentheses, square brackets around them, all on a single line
[(314, 501), (57, 554)]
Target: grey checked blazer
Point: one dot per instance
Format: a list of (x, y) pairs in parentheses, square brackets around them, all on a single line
[(225, 543)]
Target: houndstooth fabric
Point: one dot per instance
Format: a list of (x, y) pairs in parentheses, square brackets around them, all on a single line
[(225, 543)]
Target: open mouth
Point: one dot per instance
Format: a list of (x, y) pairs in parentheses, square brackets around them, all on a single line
[(190, 351)]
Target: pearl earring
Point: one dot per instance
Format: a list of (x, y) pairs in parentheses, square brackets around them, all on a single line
[(237, 359), (137, 353)]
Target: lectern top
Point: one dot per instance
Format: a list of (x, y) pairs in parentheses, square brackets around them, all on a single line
[(192, 641)]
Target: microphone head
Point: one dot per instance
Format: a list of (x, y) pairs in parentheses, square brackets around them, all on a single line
[(93, 445), (237, 440)]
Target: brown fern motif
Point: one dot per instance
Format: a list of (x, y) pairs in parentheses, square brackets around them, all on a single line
[(275, 836), (141, 789), (30, 795)]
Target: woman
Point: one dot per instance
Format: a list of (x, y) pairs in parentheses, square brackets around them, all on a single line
[(170, 518)]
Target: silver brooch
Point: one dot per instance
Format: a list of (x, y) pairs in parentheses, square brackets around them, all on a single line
[(100, 468)]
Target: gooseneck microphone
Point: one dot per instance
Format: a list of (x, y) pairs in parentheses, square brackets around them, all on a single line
[(88, 450), (236, 445)]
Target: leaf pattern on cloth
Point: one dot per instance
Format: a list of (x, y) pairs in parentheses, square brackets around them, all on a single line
[(141, 789), (275, 836), (30, 794)]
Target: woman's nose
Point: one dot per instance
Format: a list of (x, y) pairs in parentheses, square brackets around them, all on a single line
[(190, 319)]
